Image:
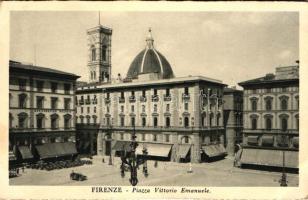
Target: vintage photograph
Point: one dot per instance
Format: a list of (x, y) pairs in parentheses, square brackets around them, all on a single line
[(154, 98)]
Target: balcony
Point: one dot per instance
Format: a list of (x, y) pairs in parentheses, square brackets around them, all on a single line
[(272, 131), (107, 100), (155, 98), (30, 130), (185, 97), (88, 101), (161, 128), (121, 100), (94, 101), (132, 99), (143, 99), (167, 98), (81, 102)]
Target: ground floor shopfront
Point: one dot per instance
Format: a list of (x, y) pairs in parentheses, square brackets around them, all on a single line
[(31, 146), (166, 146)]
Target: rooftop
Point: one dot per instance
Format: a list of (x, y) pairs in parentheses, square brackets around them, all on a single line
[(23, 66)]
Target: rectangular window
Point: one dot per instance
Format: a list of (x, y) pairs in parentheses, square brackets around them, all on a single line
[(94, 110), (122, 136), (132, 108), (155, 107), (154, 137), (186, 91), (108, 95), (54, 87), (122, 108), (40, 86), (143, 93), (133, 93), (39, 102), (143, 108), (122, 95), (66, 123), (22, 84), (122, 121), (67, 103), (186, 106), (67, 88), (53, 123), (143, 137), (81, 109), (108, 109), (54, 102), (39, 122), (88, 109), (143, 121), (167, 107), (167, 138), (167, 92), (155, 92), (22, 101)]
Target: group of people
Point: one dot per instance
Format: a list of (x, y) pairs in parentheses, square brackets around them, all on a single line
[(14, 172)]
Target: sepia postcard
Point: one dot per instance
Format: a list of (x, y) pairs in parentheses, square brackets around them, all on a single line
[(153, 100)]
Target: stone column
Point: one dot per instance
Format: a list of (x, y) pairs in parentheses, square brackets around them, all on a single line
[(100, 143), (230, 135), (174, 140), (195, 150)]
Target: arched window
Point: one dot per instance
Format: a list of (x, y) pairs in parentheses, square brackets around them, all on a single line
[(67, 121), (54, 121), (186, 121), (91, 75), (203, 120), (93, 53), (104, 53), (132, 121), (155, 137), (218, 119), (94, 75), (254, 123), (94, 119), (81, 119), (268, 123), (185, 139), (254, 105), (40, 121), (22, 101), (167, 122), (284, 104), (23, 120), (122, 121), (88, 119), (143, 121), (211, 119), (284, 123), (155, 122), (268, 104)]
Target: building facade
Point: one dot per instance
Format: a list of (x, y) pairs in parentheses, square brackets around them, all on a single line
[(41, 112), (176, 119), (233, 118), (271, 118)]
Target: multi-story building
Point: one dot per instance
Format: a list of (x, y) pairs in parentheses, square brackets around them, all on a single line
[(41, 112), (177, 119), (271, 119), (233, 118)]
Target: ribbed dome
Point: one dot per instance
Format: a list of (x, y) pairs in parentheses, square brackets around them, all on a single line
[(150, 61)]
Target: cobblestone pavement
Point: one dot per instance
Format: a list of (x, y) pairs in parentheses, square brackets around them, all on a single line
[(220, 174)]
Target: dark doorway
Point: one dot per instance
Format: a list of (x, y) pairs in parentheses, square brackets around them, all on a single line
[(108, 148)]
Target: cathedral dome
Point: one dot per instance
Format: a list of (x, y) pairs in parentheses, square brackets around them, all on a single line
[(150, 61)]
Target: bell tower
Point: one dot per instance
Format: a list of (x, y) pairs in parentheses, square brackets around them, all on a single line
[(99, 54)]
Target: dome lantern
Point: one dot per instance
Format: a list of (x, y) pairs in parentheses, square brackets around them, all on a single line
[(149, 39)]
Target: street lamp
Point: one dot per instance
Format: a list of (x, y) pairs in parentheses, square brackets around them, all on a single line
[(283, 181), (130, 160)]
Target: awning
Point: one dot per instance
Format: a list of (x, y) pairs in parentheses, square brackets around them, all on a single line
[(214, 150), (252, 140), (161, 150), (267, 140), (183, 150), (12, 156), (51, 150), (25, 152), (269, 157), (121, 145)]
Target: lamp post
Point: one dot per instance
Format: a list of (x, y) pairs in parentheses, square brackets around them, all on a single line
[(283, 181), (130, 160)]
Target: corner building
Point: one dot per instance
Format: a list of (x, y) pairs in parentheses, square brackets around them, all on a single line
[(271, 119), (175, 119), (41, 113)]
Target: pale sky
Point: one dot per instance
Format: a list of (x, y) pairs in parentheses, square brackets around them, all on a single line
[(229, 46)]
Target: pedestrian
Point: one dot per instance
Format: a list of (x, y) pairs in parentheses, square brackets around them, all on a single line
[(103, 160), (17, 171)]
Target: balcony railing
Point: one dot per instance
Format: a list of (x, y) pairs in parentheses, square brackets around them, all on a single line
[(272, 131), (155, 98), (94, 101), (107, 100), (143, 99), (26, 130), (163, 128), (132, 99), (81, 102), (167, 98), (121, 100), (186, 97), (88, 101)]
